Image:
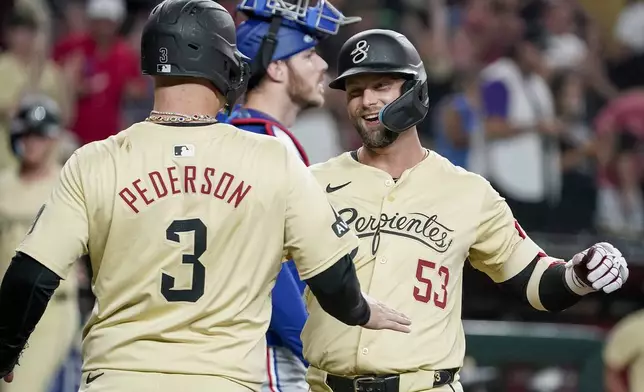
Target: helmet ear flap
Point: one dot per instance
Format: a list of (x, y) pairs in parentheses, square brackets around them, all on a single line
[(407, 110), (237, 89), (408, 85)]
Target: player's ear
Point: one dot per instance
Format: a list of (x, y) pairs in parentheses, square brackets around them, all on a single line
[(277, 71)]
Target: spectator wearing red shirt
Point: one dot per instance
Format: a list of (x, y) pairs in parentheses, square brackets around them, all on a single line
[(620, 130), (106, 70)]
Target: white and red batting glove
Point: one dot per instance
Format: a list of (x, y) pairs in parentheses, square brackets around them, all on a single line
[(600, 267)]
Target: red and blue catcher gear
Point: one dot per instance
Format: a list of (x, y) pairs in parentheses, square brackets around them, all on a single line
[(289, 311), (259, 122)]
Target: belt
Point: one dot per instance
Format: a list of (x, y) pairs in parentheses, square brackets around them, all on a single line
[(382, 383)]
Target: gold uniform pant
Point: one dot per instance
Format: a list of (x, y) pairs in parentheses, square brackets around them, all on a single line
[(409, 382), (126, 381), (48, 347)]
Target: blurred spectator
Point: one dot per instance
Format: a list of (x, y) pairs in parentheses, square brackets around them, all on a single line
[(629, 29), (576, 209), (565, 49), (74, 20), (505, 27), (626, 68), (42, 14), (459, 124), (104, 68), (522, 133), (620, 132), (624, 355), (137, 107), (24, 69), (6, 8), (23, 190)]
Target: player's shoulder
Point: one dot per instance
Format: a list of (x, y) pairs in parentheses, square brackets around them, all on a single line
[(255, 137), (101, 152), (259, 143), (455, 175), (338, 162)]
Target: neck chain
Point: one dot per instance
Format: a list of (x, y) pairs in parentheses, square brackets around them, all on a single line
[(170, 117)]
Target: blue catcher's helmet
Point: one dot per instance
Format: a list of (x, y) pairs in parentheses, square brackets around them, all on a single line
[(276, 30)]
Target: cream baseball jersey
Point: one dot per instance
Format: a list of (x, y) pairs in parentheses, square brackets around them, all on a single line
[(185, 228), (415, 236), (624, 349), (20, 202)]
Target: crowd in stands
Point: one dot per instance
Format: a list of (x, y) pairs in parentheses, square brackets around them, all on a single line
[(543, 97)]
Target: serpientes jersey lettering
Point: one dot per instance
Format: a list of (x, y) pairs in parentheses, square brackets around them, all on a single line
[(415, 234), (185, 228)]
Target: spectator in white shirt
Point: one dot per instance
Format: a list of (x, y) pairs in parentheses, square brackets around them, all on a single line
[(522, 133)]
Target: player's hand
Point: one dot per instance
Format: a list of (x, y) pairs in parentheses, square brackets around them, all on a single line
[(8, 378), (600, 267), (383, 317)]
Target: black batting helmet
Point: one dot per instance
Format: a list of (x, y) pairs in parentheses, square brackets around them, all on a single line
[(386, 51), (194, 38), (37, 115)]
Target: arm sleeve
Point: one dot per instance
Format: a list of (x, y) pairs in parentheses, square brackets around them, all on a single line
[(337, 290), (60, 232), (542, 284), (26, 289), (315, 237), (496, 99), (289, 312), (501, 248)]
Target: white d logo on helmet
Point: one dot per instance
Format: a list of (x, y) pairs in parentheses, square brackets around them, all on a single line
[(360, 52)]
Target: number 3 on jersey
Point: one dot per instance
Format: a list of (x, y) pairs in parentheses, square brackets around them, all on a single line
[(196, 290), (424, 293)]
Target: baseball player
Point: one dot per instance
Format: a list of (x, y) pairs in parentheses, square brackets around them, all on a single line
[(184, 243), (287, 77), (34, 131), (624, 355), (419, 218)]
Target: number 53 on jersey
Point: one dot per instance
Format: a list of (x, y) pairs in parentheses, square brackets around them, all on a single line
[(424, 290)]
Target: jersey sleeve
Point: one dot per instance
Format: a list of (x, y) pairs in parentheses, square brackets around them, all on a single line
[(620, 348), (501, 248), (315, 237), (59, 234)]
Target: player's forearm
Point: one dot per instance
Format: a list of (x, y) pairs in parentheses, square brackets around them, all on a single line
[(543, 285), (24, 294), (338, 291)]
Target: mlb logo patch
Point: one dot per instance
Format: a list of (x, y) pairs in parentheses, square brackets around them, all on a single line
[(184, 150), (164, 68)]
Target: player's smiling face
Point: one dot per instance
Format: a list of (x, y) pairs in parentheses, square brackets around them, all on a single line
[(306, 72), (367, 94)]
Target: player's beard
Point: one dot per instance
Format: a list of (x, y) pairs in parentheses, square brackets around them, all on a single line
[(302, 92), (374, 137)]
